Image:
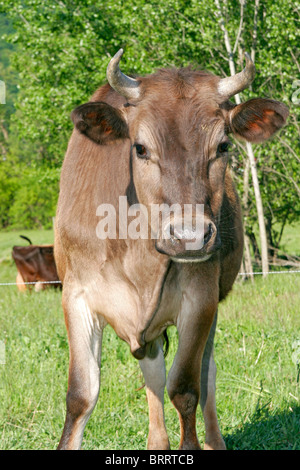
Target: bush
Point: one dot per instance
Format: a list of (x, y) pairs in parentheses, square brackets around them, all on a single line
[(34, 199), (8, 186)]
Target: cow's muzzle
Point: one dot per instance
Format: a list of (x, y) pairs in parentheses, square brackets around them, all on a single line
[(187, 243)]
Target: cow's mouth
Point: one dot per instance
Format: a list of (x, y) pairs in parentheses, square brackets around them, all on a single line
[(191, 259)]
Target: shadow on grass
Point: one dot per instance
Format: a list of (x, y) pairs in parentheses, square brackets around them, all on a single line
[(268, 432)]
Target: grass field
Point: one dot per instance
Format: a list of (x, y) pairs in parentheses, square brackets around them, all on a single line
[(257, 387)]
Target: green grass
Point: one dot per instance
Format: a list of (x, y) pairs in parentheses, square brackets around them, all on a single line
[(257, 389)]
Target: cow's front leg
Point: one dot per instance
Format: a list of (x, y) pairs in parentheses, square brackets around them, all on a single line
[(154, 371), (85, 338), (213, 438), (193, 323)]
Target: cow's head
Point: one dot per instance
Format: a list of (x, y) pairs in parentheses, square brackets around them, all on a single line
[(179, 122)]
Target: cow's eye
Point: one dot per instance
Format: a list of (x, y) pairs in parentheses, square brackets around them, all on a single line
[(141, 151), (223, 147)]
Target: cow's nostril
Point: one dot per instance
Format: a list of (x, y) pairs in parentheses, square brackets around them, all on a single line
[(208, 233)]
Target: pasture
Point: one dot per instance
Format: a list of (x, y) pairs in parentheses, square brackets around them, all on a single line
[(255, 353)]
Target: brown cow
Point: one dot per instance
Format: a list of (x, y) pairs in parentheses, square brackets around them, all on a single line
[(35, 264), (159, 139)]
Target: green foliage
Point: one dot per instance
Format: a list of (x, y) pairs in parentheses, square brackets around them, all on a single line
[(8, 75), (35, 199), (28, 195), (8, 185), (60, 51)]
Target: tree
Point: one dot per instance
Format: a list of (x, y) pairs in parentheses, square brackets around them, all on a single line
[(9, 77), (62, 49), (250, 153)]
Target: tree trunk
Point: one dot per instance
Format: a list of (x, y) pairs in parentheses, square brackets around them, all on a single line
[(260, 211), (247, 258), (255, 248), (247, 253), (258, 199)]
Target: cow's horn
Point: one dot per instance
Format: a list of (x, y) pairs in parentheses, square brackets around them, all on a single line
[(126, 86), (230, 86)]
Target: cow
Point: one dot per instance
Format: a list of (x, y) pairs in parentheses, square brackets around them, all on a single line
[(35, 265), (160, 139)]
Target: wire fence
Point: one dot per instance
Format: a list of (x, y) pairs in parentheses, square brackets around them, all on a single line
[(59, 282), (28, 283), (270, 272)]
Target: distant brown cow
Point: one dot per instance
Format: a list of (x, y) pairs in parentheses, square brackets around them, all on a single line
[(158, 140), (35, 263)]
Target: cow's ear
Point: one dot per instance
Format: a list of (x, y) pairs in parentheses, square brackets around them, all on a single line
[(100, 122), (257, 119)]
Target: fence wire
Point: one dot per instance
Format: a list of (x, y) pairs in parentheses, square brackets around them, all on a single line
[(269, 272), (59, 282), (28, 283)]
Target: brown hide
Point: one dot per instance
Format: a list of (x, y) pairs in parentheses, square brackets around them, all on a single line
[(93, 174), (168, 144), (35, 263)]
